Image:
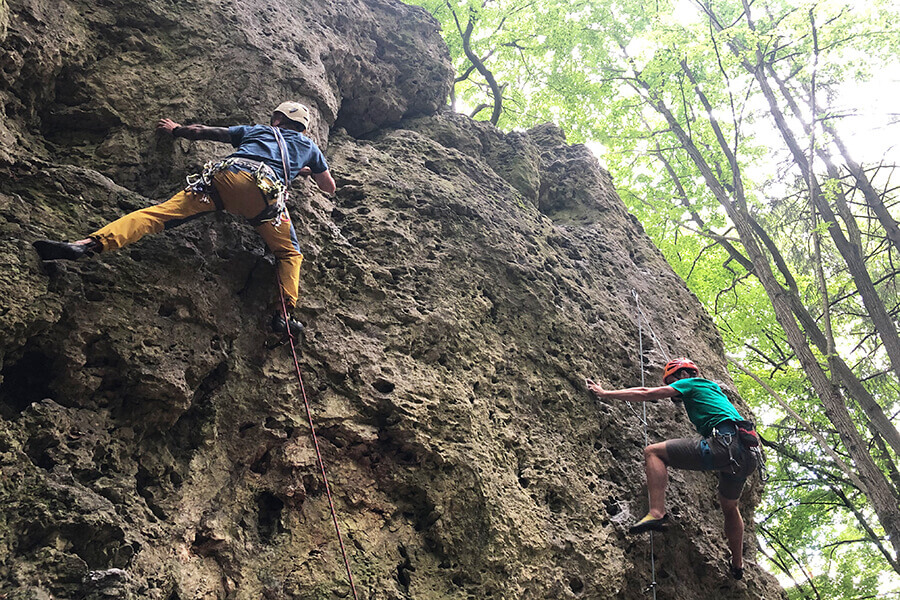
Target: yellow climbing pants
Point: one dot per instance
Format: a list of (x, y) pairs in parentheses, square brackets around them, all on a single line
[(240, 196)]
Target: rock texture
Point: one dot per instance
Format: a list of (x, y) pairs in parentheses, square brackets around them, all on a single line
[(457, 289)]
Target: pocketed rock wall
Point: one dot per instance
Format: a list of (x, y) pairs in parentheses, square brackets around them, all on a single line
[(456, 290)]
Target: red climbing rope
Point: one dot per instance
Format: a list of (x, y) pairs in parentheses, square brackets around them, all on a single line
[(312, 430)]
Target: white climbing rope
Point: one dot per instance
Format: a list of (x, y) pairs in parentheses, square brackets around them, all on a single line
[(641, 318)]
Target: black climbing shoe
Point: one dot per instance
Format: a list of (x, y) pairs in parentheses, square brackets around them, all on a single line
[(279, 328), (52, 250), (737, 572), (648, 523)]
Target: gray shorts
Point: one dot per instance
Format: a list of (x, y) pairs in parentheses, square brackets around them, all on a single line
[(712, 454)]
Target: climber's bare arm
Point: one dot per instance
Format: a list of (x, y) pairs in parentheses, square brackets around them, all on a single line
[(194, 132), (325, 181), (635, 394)]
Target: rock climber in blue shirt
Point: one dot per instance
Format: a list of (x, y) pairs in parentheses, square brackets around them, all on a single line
[(251, 182)]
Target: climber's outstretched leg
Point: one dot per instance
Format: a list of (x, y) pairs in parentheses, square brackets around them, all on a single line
[(181, 208)]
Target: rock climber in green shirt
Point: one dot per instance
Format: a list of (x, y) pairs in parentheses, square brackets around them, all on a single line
[(728, 446)]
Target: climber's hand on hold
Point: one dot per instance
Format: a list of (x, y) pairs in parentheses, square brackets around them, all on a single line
[(167, 125), (595, 388), (305, 172)]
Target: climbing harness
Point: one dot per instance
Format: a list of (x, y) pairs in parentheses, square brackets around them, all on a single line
[(273, 190), (725, 438), (315, 439), (641, 318)]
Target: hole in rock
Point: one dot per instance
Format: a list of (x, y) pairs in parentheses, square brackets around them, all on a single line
[(350, 195), (261, 466), (576, 585), (38, 450), (554, 502), (402, 575), (612, 506), (383, 385), (25, 381), (96, 544), (193, 428), (268, 521), (94, 295), (148, 488)]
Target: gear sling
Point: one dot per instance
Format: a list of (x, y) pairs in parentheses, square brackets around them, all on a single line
[(744, 432)]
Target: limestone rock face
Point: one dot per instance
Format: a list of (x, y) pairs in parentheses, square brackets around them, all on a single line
[(456, 290)]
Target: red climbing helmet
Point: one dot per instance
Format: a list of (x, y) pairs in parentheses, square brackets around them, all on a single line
[(673, 366)]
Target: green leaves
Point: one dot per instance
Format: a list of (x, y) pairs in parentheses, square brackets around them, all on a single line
[(674, 90)]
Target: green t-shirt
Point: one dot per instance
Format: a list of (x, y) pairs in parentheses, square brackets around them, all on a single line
[(705, 403)]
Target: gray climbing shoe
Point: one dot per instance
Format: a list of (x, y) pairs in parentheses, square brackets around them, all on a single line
[(53, 250), (278, 326)]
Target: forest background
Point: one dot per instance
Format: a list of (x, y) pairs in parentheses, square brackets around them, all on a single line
[(756, 143)]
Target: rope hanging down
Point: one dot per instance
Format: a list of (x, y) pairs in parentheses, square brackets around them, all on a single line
[(641, 319), (315, 439)]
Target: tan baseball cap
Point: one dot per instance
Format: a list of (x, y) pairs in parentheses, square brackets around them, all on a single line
[(295, 112)]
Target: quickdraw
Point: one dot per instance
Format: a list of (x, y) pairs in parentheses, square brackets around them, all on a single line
[(725, 439), (748, 438)]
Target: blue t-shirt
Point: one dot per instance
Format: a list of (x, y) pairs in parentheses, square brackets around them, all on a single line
[(706, 404), (257, 142)]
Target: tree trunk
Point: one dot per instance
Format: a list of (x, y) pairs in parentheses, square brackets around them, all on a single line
[(851, 253), (881, 495), (869, 405), (496, 92)]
